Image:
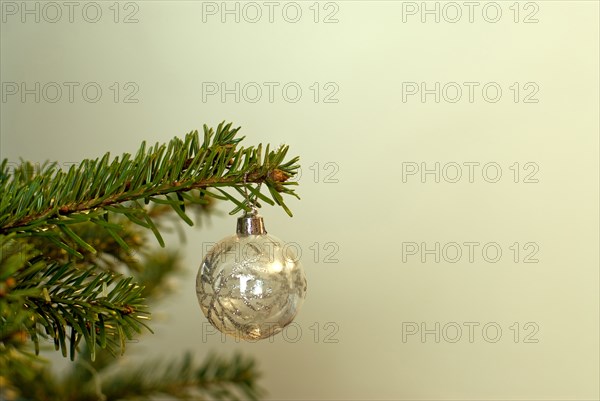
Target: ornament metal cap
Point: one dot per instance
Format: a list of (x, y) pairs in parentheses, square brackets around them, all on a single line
[(251, 224)]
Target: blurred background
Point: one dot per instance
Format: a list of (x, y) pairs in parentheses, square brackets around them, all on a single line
[(449, 215)]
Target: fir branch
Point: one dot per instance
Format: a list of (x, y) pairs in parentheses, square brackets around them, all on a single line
[(216, 378), (34, 198), (67, 303), (45, 296)]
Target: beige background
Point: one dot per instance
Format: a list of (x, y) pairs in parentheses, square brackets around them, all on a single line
[(364, 303)]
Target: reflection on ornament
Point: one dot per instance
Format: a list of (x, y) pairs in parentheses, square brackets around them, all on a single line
[(250, 285)]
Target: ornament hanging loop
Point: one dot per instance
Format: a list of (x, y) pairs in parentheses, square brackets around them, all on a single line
[(250, 223), (249, 202)]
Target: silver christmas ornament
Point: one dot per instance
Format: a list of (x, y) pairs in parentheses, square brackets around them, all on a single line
[(251, 285)]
